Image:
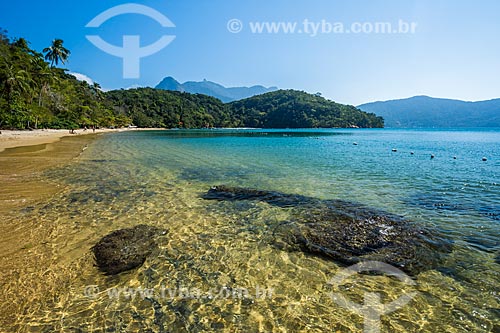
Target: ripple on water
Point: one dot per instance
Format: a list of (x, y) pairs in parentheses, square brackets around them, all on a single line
[(221, 249)]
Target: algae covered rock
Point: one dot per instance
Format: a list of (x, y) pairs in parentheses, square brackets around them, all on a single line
[(346, 232), (125, 249)]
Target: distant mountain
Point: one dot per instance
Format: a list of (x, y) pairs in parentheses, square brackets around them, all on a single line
[(213, 89), (297, 109), (424, 111)]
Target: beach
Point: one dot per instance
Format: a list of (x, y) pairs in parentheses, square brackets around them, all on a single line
[(12, 139), (28, 255), (26, 250)]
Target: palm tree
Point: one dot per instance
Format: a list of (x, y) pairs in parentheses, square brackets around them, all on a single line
[(16, 82), (56, 52), (97, 91), (44, 77)]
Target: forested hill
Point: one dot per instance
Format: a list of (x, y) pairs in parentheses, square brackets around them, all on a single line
[(35, 93), (149, 107), (297, 109)]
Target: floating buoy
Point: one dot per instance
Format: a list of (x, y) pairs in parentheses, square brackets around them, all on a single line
[(432, 156), (394, 150), (484, 159), (411, 153), (454, 157)]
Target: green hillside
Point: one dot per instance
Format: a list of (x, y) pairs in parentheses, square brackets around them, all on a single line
[(297, 109), (35, 93)]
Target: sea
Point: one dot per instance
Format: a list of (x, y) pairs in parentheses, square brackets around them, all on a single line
[(219, 267)]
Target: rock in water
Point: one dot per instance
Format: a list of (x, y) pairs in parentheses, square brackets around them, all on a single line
[(125, 249), (347, 232), (226, 193), (350, 234)]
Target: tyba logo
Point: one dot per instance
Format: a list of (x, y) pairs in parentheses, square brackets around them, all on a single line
[(131, 51)]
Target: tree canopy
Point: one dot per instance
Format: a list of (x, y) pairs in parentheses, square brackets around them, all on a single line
[(56, 52), (148, 107), (297, 109), (34, 93)]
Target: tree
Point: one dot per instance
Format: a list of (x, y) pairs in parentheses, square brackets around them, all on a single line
[(4, 39), (97, 91), (15, 82), (44, 77), (56, 52), (34, 93), (22, 44)]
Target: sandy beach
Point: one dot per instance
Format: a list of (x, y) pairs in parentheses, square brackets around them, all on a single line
[(11, 139), (23, 185), (26, 256)]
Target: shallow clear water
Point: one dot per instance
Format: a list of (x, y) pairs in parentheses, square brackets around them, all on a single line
[(157, 178)]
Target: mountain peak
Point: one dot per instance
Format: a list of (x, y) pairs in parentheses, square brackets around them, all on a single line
[(213, 89), (169, 83)]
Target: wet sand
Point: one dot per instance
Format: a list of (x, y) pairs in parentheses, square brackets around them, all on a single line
[(12, 139), (25, 250), (27, 255), (29, 274)]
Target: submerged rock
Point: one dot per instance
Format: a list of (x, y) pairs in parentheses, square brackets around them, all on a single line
[(125, 249), (346, 232), (279, 199), (352, 234)]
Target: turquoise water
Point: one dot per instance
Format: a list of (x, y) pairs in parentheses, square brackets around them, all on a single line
[(157, 178), (326, 164)]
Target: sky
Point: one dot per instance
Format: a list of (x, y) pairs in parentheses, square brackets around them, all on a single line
[(453, 52)]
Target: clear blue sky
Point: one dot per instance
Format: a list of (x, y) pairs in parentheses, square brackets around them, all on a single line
[(454, 53)]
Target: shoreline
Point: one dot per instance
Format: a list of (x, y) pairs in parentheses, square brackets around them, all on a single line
[(18, 138), (30, 262), (28, 258), (26, 245)]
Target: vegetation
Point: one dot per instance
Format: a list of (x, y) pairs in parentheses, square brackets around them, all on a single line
[(36, 94), (297, 109), (148, 107), (56, 52)]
